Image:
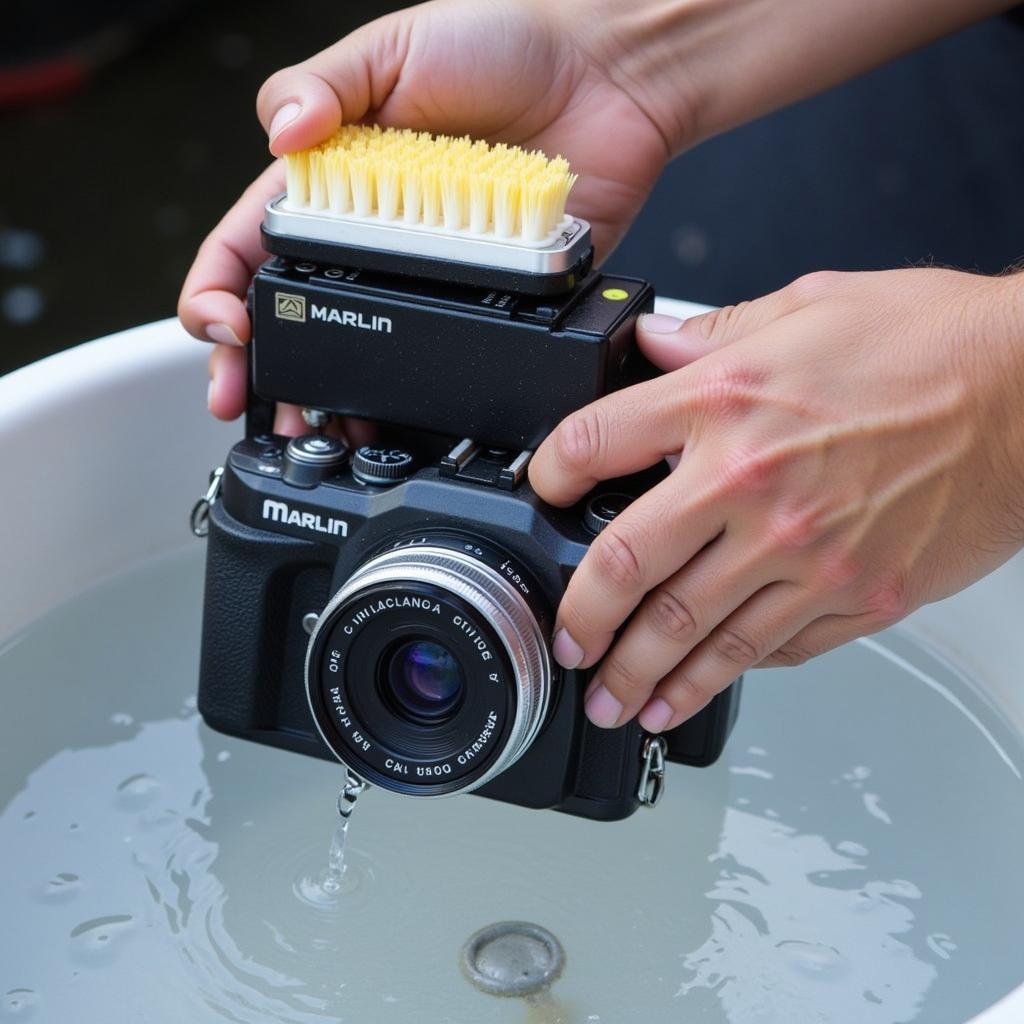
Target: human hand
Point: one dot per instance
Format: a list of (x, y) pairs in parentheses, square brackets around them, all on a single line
[(850, 448), (521, 72)]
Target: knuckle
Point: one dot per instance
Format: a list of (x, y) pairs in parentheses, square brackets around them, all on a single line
[(889, 599), (836, 572), (617, 560), (578, 440), (749, 471), (670, 617), (687, 694), (719, 322), (576, 621), (621, 678), (790, 655), (735, 646), (727, 390), (815, 286), (795, 530)]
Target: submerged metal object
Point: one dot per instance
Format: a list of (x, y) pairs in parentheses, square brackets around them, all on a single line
[(512, 958)]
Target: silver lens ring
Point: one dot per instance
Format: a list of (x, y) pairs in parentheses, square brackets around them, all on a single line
[(502, 606)]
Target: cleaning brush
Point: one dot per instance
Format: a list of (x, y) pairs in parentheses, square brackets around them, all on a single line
[(435, 182), (435, 198)]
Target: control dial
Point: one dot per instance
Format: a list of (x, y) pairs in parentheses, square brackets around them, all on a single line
[(603, 508), (381, 466)]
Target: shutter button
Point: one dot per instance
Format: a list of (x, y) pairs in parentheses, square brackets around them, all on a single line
[(603, 508), (308, 459)]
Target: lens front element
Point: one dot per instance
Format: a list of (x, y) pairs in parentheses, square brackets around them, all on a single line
[(424, 680), (428, 672)]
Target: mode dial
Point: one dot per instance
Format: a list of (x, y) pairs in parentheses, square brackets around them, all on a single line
[(380, 467)]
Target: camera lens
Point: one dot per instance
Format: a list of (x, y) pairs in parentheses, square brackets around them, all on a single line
[(424, 680), (428, 672)]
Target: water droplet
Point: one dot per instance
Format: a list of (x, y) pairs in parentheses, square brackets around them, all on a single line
[(813, 959), (852, 848), (120, 718), (20, 249), (20, 1002), (22, 304), (873, 805), (941, 945), (61, 887), (901, 887), (99, 938), (223, 756), (137, 791)]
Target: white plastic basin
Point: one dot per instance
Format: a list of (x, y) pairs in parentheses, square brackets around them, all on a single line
[(106, 446)]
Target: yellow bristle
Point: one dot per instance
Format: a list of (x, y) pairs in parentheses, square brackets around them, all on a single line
[(481, 189), (454, 197), (361, 181), (339, 193), (430, 186), (412, 193), (453, 184), (296, 174), (389, 192), (506, 206), (317, 181)]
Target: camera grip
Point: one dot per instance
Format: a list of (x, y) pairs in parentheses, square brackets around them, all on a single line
[(258, 587)]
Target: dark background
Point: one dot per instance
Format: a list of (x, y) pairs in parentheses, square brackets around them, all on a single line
[(108, 190)]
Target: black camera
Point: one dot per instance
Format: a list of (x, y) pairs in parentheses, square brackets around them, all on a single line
[(392, 606)]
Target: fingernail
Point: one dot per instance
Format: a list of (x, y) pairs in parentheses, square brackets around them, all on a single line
[(222, 334), (658, 323), (656, 715), (567, 652), (209, 394), (283, 118), (603, 709)]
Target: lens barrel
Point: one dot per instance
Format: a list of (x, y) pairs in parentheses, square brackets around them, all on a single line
[(428, 672)]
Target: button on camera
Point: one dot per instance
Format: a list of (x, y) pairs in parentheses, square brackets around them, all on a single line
[(380, 467), (603, 508), (308, 459)]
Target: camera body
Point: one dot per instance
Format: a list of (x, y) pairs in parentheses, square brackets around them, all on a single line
[(392, 607)]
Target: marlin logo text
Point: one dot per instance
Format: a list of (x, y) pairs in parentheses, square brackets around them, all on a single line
[(279, 512), (347, 318)]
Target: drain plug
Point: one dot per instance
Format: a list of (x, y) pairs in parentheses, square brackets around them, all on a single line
[(512, 958)]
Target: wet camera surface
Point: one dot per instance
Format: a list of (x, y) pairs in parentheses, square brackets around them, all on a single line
[(392, 606)]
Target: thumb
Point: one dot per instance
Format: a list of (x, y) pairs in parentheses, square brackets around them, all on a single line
[(671, 343), (302, 105)]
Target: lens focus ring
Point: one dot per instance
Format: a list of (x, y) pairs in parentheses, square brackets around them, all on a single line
[(496, 600)]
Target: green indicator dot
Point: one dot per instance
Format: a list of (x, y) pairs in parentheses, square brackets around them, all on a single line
[(615, 294)]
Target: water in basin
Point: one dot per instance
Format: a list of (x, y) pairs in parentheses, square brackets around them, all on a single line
[(854, 857)]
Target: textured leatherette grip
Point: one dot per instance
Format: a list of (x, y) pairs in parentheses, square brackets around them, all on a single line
[(258, 586)]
